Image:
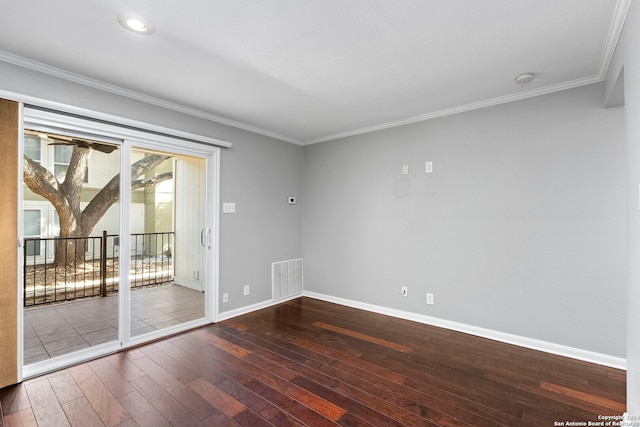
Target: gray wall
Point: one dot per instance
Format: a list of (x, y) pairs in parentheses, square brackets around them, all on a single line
[(259, 177), (519, 229), (258, 173)]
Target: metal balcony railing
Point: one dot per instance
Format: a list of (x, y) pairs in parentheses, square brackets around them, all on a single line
[(97, 272)]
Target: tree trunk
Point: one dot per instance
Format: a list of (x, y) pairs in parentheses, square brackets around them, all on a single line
[(70, 251)]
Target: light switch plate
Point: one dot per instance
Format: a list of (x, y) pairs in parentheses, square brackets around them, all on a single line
[(405, 169), (228, 208)]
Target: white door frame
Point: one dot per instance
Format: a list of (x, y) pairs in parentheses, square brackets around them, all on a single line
[(125, 137), (212, 159)]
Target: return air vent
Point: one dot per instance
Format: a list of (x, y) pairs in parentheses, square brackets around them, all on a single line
[(286, 278)]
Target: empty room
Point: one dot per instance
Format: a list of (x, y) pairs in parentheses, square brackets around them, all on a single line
[(290, 213)]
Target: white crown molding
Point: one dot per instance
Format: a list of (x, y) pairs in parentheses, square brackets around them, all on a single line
[(615, 30), (116, 90), (545, 90), (534, 344), (617, 24)]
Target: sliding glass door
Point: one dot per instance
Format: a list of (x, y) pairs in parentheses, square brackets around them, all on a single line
[(119, 242), (169, 240), (70, 221)]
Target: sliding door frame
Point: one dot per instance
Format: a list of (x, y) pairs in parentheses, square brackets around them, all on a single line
[(211, 156), (126, 138)]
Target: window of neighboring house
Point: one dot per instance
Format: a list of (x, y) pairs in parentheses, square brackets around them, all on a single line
[(32, 148), (32, 225), (56, 224), (61, 160)]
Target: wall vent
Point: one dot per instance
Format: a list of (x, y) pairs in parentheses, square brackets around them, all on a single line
[(286, 278)]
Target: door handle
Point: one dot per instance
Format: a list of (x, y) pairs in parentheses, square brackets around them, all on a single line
[(205, 238)]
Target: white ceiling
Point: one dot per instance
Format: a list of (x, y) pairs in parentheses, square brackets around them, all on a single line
[(312, 70)]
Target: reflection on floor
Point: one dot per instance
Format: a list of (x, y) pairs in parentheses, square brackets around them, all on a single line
[(53, 330)]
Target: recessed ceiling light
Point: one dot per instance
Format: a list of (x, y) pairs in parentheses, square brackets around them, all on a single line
[(136, 23), (524, 78)]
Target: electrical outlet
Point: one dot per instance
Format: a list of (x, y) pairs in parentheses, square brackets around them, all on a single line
[(246, 290), (428, 167), (430, 299), (225, 297), (196, 275), (404, 291)]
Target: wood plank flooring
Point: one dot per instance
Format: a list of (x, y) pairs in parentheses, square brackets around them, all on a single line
[(308, 362)]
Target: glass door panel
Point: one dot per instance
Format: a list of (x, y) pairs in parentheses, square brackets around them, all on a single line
[(70, 251), (168, 240)]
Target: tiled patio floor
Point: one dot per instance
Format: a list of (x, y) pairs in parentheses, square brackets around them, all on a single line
[(54, 330)]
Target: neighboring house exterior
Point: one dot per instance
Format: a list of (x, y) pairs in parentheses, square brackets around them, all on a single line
[(151, 208)]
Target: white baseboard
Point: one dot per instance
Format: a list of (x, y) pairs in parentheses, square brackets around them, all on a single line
[(534, 344), (561, 350), (254, 307)]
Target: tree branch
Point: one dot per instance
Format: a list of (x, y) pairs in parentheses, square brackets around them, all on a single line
[(141, 183), (110, 193), (74, 178), (42, 182)]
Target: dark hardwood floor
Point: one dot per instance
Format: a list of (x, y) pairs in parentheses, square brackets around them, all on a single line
[(308, 362)]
